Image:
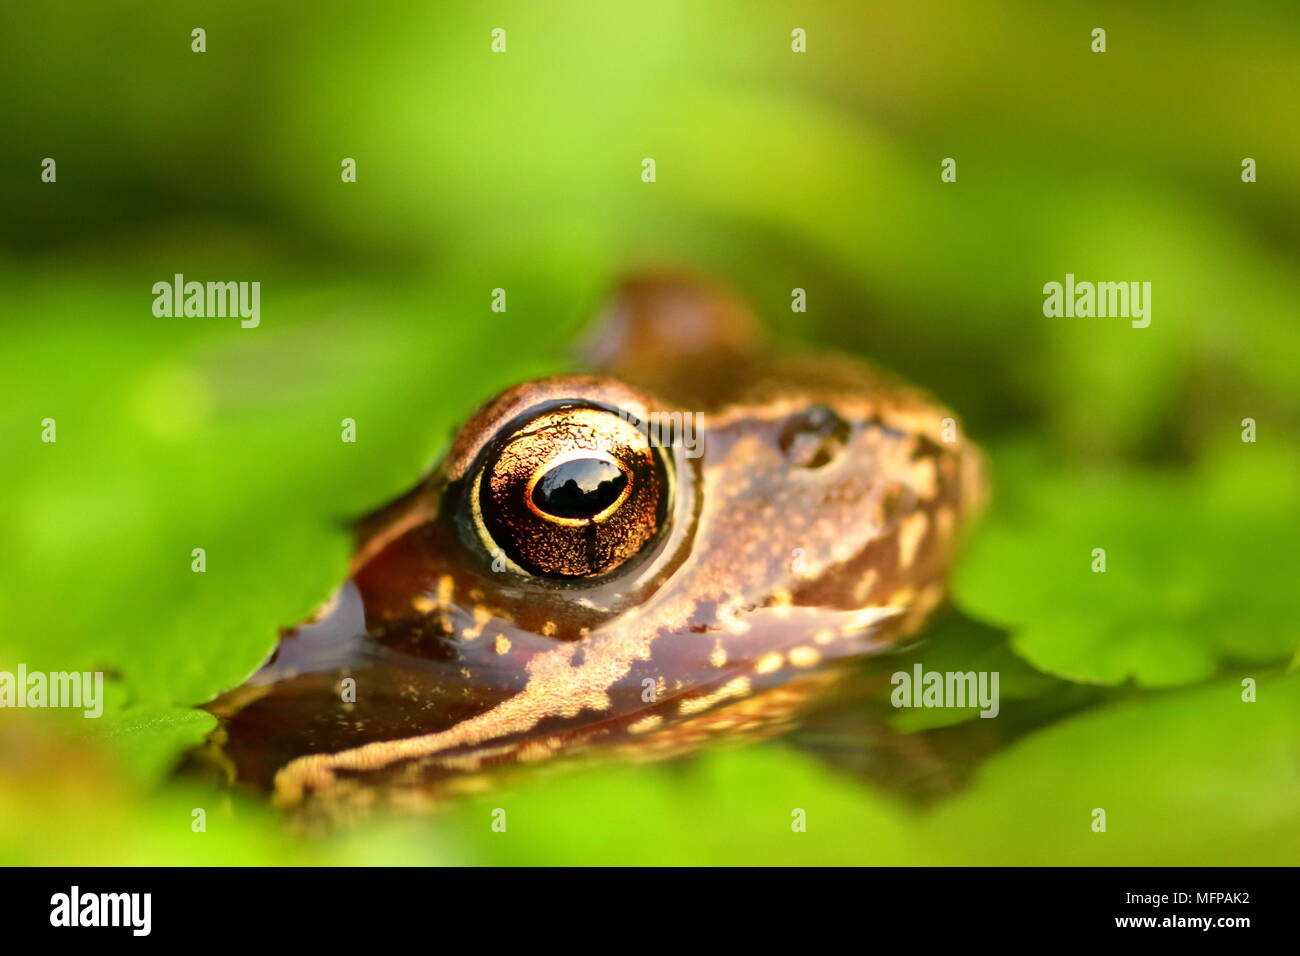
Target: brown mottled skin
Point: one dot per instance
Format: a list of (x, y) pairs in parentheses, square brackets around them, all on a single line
[(817, 526)]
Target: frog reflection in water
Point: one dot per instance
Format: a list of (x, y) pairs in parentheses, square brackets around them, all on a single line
[(681, 548)]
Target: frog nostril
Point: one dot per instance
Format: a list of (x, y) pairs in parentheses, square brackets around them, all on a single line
[(814, 437)]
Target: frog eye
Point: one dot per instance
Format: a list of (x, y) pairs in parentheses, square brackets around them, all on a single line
[(570, 491)]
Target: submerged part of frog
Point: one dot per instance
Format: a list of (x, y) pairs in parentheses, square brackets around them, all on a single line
[(679, 548)]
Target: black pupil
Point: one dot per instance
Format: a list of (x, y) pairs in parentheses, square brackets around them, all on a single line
[(581, 488)]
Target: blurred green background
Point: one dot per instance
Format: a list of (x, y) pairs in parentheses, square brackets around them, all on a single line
[(775, 170)]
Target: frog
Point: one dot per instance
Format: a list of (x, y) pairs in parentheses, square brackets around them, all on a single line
[(683, 544)]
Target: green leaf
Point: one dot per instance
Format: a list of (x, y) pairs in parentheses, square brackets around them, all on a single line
[(1198, 569), (1195, 777), (730, 807), (151, 738), (180, 434)]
